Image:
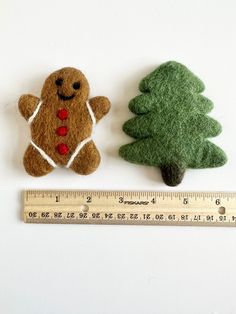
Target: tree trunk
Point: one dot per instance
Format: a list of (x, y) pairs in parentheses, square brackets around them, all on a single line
[(172, 174)]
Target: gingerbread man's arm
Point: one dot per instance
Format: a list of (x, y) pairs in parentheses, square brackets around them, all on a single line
[(100, 106), (27, 105)]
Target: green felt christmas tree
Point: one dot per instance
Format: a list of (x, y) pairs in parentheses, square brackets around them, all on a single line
[(172, 126)]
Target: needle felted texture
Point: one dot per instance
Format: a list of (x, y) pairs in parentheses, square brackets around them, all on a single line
[(172, 126), (61, 124)]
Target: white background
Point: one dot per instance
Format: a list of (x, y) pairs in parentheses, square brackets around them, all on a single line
[(47, 269)]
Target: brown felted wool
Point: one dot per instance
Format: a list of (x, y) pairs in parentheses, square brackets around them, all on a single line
[(88, 159), (62, 122), (34, 163), (27, 105), (100, 106)]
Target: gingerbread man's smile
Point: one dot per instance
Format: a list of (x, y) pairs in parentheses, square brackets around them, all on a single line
[(64, 97)]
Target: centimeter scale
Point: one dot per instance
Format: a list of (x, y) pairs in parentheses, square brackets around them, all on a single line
[(130, 207)]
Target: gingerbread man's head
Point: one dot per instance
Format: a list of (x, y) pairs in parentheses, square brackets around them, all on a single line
[(66, 85)]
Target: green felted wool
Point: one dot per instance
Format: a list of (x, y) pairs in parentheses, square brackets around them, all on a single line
[(171, 126)]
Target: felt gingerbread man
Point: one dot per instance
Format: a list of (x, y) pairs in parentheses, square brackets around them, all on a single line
[(62, 122)]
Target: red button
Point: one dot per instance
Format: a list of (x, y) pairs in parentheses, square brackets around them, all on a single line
[(62, 149), (62, 114), (62, 131)]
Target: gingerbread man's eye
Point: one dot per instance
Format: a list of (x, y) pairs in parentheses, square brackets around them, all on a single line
[(76, 85), (59, 81)]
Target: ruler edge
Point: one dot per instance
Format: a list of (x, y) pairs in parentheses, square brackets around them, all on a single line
[(25, 191)]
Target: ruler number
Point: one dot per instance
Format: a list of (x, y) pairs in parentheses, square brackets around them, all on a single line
[(83, 215), (108, 216), (159, 217), (222, 218), (197, 217), (32, 214), (89, 199), (96, 215), (121, 216), (121, 199), (57, 215), (185, 201), (153, 201), (70, 215), (133, 216), (146, 216), (171, 217), (45, 214), (217, 201), (209, 217), (184, 217)]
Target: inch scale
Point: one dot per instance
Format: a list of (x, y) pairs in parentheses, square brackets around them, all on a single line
[(130, 207)]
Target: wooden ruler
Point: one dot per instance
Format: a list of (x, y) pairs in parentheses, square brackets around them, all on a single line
[(129, 207)]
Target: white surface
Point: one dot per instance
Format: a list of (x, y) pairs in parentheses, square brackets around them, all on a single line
[(69, 269)]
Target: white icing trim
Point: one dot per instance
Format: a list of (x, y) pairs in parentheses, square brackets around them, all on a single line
[(44, 155), (77, 150), (31, 118), (91, 113)]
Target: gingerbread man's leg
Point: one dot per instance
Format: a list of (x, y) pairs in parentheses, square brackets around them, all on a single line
[(87, 160), (35, 164)]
